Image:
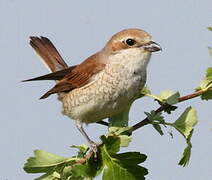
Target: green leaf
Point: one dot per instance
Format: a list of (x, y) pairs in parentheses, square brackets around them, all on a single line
[(128, 158), (125, 140), (81, 170), (60, 168), (203, 84), (123, 166), (76, 178), (124, 133), (186, 156), (82, 149), (169, 97), (206, 83), (210, 28), (209, 73), (145, 91), (187, 152), (87, 170), (185, 123), (120, 120), (112, 143), (207, 95), (43, 162), (49, 176), (120, 131), (158, 129), (210, 50), (170, 108), (153, 116), (155, 119), (91, 168), (67, 174)]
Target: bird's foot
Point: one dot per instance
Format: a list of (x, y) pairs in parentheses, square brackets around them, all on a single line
[(94, 148)]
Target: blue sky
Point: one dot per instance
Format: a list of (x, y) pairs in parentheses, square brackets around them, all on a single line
[(79, 29)]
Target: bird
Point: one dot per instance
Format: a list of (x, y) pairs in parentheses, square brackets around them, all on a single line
[(104, 84)]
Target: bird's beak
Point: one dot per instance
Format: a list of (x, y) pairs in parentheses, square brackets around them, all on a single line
[(152, 46)]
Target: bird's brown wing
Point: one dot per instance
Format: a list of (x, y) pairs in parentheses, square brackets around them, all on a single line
[(78, 77), (48, 53), (58, 75)]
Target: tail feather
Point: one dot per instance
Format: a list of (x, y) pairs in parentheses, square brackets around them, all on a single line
[(48, 53), (52, 60)]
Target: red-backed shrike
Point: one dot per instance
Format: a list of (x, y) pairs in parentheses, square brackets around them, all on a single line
[(103, 85)]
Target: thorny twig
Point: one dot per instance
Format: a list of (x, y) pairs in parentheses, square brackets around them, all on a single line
[(164, 106)]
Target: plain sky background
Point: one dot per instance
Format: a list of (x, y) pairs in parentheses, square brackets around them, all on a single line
[(79, 29)]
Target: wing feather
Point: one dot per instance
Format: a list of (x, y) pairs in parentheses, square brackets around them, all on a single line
[(78, 77)]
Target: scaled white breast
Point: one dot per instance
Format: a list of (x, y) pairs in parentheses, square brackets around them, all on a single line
[(112, 91)]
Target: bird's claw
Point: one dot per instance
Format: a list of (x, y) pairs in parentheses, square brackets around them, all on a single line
[(94, 148)]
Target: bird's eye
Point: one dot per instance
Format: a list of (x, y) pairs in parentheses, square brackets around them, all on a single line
[(130, 42)]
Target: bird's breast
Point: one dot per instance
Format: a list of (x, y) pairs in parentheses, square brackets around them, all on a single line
[(111, 91)]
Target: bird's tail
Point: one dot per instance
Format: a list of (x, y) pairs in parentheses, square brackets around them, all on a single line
[(51, 59), (48, 53)]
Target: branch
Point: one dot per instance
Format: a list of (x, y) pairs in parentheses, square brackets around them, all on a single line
[(82, 160), (190, 96), (85, 158), (164, 106)]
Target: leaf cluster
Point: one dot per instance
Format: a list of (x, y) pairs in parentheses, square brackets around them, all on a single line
[(206, 85), (113, 165)]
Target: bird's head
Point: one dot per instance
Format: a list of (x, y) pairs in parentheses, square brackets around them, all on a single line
[(131, 39)]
